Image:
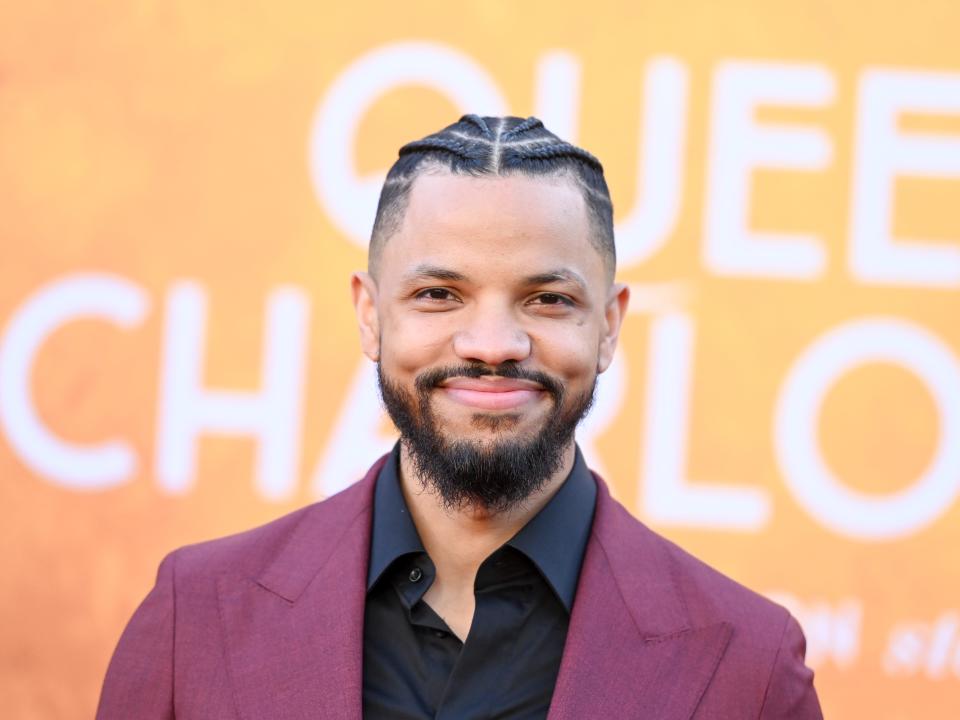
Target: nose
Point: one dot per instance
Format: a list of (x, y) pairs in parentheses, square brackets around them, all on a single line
[(491, 336)]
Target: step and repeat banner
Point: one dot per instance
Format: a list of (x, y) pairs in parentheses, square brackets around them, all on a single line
[(185, 188)]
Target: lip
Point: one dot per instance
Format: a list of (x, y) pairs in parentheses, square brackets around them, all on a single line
[(491, 394)]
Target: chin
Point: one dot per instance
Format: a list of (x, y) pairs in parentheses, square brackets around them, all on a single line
[(469, 422), (490, 432), (496, 422)]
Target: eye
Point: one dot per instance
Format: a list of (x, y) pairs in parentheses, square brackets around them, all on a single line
[(553, 299), (436, 294)]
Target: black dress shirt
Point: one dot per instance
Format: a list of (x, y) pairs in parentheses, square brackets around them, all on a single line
[(414, 667)]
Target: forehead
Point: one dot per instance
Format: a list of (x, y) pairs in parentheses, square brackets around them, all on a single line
[(494, 224)]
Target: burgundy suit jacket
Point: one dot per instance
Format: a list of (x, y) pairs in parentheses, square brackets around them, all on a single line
[(269, 624)]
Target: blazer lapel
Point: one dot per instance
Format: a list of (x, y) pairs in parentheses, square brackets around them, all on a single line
[(294, 635), (632, 651)]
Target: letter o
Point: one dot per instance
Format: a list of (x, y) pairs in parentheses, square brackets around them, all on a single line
[(351, 201), (813, 485)]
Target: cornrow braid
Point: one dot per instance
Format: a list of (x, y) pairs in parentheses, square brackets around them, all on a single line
[(477, 145), (529, 124), (480, 123), (440, 144), (548, 152)]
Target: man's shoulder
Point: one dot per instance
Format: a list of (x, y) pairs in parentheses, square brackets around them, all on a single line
[(246, 551), (713, 594), (708, 595), (672, 594), (313, 528)]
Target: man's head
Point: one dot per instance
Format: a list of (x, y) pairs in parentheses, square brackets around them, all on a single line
[(502, 147), (490, 305)]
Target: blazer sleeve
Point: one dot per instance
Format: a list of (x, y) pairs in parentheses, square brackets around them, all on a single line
[(790, 694), (139, 681)]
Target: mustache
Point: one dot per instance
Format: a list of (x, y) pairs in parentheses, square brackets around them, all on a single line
[(429, 379)]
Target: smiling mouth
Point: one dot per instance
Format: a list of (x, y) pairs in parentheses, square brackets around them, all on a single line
[(492, 393)]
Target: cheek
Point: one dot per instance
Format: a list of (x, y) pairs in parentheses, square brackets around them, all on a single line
[(408, 345), (569, 354)]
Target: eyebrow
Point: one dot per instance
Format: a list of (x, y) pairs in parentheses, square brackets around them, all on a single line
[(561, 275), (437, 272)]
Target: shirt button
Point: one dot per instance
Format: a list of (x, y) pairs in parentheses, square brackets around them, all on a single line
[(415, 575), (440, 633)]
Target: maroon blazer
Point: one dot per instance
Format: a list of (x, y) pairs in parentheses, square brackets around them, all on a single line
[(268, 624)]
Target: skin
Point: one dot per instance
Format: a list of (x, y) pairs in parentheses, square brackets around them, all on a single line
[(489, 269)]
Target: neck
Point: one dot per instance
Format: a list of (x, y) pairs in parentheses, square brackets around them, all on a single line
[(458, 541)]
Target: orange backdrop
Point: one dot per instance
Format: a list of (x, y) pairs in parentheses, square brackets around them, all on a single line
[(186, 186)]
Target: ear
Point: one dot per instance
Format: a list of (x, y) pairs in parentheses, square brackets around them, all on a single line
[(613, 313), (364, 290)]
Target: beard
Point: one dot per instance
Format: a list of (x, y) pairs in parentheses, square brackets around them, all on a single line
[(496, 474)]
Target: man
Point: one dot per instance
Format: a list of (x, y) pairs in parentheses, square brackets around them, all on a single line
[(479, 570)]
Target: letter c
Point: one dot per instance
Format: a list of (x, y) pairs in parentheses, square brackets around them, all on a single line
[(72, 466)]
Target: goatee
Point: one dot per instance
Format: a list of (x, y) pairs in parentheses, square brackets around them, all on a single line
[(498, 474)]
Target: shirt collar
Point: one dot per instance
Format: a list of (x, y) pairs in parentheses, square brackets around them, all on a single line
[(394, 533), (554, 539)]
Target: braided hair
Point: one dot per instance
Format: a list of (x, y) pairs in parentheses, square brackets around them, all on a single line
[(478, 146)]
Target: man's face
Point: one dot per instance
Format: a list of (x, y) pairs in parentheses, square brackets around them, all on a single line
[(491, 313)]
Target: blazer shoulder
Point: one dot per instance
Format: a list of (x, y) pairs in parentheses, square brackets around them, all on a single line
[(250, 552), (711, 593), (764, 660), (707, 595)]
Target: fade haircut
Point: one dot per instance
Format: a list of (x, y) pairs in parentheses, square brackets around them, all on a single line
[(501, 146)]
